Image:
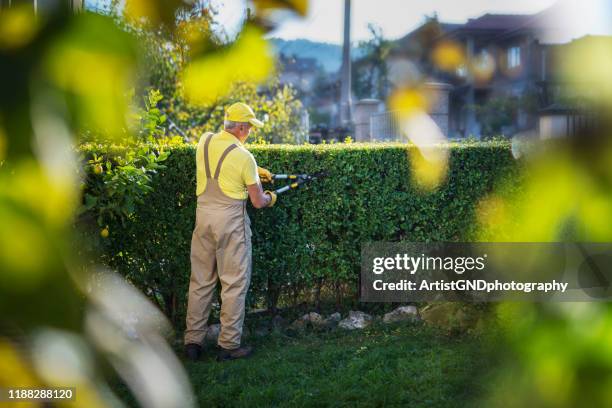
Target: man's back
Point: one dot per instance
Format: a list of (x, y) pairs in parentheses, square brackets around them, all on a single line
[(238, 168)]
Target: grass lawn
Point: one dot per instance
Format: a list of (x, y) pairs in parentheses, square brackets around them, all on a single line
[(384, 365)]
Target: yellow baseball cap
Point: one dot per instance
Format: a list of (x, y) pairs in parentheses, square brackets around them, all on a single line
[(241, 112)]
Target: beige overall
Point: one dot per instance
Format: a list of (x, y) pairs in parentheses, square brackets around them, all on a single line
[(220, 247)]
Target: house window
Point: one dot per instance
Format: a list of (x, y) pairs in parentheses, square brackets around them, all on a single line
[(514, 57)]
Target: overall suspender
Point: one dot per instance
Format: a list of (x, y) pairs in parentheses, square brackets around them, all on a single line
[(221, 159)]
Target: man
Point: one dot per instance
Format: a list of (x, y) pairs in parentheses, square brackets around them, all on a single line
[(221, 241)]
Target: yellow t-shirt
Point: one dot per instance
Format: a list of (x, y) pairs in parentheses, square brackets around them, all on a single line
[(239, 168)]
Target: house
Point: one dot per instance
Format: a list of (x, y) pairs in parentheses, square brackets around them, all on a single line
[(414, 48), (509, 75)]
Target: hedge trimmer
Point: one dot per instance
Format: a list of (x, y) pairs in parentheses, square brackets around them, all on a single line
[(297, 180)]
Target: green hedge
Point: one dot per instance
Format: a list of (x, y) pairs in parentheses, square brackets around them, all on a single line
[(310, 241)]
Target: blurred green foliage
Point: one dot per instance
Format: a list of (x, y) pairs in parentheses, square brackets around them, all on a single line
[(555, 354), (66, 77)]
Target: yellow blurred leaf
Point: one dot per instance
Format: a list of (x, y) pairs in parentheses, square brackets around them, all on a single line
[(104, 102), (23, 259), (152, 11), (98, 74), (210, 77), (554, 379), (299, 6), (18, 26), (586, 65), (28, 182), (427, 174), (138, 9), (448, 56), (547, 200), (408, 101), (595, 214), (14, 371), (429, 161)]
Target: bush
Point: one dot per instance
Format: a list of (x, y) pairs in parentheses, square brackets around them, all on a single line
[(310, 241)]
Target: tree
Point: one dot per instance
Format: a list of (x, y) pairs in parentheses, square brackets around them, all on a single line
[(370, 79), (167, 55)]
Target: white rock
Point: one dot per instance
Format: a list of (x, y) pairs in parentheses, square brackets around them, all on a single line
[(402, 313), (334, 317), (313, 317), (356, 320)]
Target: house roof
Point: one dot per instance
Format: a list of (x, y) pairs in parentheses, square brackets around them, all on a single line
[(497, 25), (547, 25), (418, 39), (489, 23), (439, 27), (499, 22)]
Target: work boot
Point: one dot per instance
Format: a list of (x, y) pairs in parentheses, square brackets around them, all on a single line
[(240, 352), (193, 351)]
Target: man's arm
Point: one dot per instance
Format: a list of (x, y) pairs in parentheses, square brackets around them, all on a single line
[(250, 177), (259, 199)]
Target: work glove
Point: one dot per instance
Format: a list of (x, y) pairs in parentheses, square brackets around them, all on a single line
[(272, 196), (264, 175)]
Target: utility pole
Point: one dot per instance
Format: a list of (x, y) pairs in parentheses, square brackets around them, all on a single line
[(346, 108)]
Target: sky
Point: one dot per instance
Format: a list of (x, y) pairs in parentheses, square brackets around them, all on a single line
[(324, 21)]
